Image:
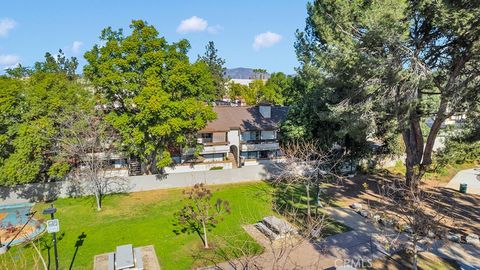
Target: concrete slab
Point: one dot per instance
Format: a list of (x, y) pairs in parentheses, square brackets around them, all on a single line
[(470, 177), (149, 259)]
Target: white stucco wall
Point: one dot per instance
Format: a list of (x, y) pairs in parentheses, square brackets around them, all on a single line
[(197, 167), (233, 138)]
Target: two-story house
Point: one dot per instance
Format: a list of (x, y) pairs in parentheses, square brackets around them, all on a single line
[(240, 136)]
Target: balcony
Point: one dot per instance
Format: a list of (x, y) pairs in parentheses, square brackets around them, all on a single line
[(210, 142), (260, 145), (215, 148)]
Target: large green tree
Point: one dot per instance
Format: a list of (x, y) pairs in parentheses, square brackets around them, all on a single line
[(156, 98), (33, 109), (276, 88), (258, 91), (392, 63), (216, 66)]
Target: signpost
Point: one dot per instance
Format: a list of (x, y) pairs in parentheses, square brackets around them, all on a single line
[(53, 226)]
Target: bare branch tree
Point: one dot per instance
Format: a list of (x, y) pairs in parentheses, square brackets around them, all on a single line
[(417, 214), (199, 213), (304, 167), (305, 163), (87, 143)]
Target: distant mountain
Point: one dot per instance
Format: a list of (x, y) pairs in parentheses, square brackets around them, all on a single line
[(244, 73)]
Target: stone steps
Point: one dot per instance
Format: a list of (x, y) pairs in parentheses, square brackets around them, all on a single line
[(275, 228), (266, 231)]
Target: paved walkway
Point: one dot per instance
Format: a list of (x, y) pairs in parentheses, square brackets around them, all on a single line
[(363, 243), (360, 244), (470, 177)]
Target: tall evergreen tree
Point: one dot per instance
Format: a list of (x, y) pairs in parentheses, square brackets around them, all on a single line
[(391, 64), (216, 66)]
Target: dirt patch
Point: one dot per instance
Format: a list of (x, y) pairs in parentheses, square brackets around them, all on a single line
[(463, 210), (426, 261)]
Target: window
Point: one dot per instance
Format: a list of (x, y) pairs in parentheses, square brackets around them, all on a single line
[(206, 137), (213, 157), (268, 135), (245, 136), (249, 155), (251, 136)]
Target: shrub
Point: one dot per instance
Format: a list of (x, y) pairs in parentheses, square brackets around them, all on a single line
[(457, 152)]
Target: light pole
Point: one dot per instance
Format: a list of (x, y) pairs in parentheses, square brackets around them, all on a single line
[(52, 211)]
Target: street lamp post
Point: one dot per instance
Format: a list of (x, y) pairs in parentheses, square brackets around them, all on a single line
[(51, 211)]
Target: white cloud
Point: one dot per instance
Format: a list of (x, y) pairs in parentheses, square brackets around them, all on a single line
[(196, 24), (6, 24), (214, 29), (76, 47), (9, 60), (265, 40)]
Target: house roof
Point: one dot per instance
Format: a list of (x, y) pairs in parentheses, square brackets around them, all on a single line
[(245, 118)]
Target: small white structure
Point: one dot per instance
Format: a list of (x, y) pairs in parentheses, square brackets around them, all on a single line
[(126, 257)]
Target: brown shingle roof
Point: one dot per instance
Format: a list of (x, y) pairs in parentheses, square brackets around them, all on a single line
[(245, 118)]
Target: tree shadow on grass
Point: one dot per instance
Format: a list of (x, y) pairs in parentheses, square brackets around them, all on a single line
[(186, 226)]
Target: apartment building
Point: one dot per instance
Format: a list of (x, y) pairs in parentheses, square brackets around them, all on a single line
[(240, 136)]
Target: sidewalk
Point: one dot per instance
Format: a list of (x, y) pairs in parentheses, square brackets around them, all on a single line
[(471, 177)]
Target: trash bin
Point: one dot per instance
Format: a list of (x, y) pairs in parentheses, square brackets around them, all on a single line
[(463, 188)]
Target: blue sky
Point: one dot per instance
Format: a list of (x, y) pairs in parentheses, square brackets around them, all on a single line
[(247, 33)]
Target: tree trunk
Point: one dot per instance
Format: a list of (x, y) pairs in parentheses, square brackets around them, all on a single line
[(205, 240), (318, 202), (413, 139), (148, 168), (419, 152), (307, 186), (98, 199)]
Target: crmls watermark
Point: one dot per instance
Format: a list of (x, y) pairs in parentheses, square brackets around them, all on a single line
[(355, 263)]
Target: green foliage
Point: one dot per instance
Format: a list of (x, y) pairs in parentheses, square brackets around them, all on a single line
[(254, 92), (58, 64), (236, 90), (156, 98), (147, 217), (379, 68), (19, 71), (216, 66), (458, 152), (259, 91), (32, 112)]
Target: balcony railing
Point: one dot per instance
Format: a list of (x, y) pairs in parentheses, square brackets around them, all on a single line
[(262, 145), (218, 148), (259, 141), (210, 142)]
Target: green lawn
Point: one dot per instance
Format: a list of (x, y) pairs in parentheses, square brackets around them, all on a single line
[(147, 218), (143, 218)]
